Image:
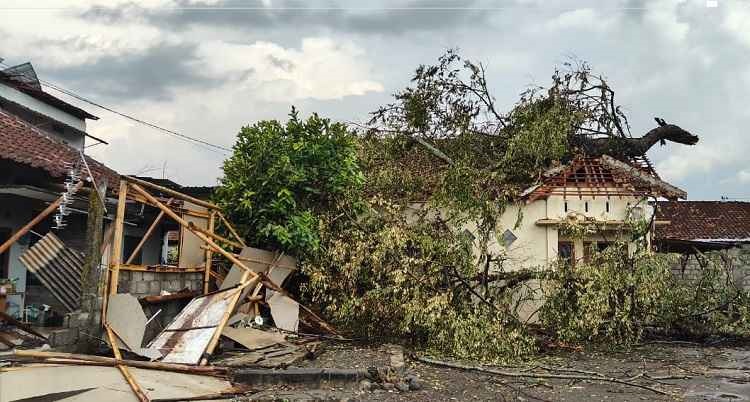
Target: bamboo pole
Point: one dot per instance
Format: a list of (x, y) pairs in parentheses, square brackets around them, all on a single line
[(231, 228), (115, 259), (124, 369), (25, 229), (198, 234), (209, 254), (177, 368), (245, 282), (175, 194), (215, 236)]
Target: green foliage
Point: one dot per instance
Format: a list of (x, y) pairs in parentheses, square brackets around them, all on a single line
[(391, 276), (608, 299), (711, 303), (281, 178)]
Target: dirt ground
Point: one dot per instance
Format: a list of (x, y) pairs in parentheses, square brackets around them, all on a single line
[(682, 371)]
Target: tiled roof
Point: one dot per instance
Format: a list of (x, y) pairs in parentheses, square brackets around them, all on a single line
[(717, 221), (23, 143)]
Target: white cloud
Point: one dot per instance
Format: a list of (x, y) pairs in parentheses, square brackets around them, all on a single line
[(320, 69), (735, 21), (663, 16), (580, 19)]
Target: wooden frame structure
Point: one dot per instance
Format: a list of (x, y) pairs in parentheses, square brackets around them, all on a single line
[(140, 191)]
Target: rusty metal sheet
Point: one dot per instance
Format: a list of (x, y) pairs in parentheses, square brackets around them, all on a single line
[(186, 338), (57, 267)]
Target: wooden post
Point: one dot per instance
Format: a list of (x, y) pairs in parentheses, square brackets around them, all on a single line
[(231, 229), (115, 259), (91, 274), (209, 254), (25, 229), (124, 369)]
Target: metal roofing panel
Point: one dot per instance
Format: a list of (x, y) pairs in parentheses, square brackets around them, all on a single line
[(57, 267)]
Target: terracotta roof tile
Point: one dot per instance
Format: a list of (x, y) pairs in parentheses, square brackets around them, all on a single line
[(23, 143), (704, 220)]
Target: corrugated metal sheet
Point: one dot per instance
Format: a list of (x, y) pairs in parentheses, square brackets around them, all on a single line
[(57, 267), (187, 337)]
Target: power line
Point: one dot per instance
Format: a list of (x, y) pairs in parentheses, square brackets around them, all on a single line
[(193, 140)]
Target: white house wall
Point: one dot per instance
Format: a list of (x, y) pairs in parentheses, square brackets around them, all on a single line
[(32, 103)]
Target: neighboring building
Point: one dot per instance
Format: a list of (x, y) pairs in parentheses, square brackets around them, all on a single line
[(40, 137), (701, 230), (700, 226)]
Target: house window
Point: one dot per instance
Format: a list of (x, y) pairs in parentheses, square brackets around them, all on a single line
[(602, 245), (606, 206), (566, 252), (565, 206), (586, 206)]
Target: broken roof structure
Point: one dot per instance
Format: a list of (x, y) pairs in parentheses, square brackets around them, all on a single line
[(602, 176)]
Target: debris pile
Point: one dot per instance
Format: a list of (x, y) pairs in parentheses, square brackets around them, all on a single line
[(231, 311)]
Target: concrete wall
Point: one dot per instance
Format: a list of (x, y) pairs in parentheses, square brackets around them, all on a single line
[(38, 106), (738, 259)]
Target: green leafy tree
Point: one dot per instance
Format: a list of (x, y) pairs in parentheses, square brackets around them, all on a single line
[(281, 178)]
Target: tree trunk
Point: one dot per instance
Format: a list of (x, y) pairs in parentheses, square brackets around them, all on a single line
[(91, 278)]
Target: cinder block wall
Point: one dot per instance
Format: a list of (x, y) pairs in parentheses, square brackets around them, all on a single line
[(738, 259), (141, 284)]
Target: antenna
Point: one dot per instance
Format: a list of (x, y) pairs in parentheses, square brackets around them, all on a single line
[(63, 210)]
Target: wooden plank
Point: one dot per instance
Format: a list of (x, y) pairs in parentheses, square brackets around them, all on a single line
[(115, 259), (215, 236), (158, 268), (231, 229), (177, 368), (209, 253), (171, 192), (30, 225), (123, 369)]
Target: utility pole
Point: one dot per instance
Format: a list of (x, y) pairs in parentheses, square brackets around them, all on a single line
[(91, 273)]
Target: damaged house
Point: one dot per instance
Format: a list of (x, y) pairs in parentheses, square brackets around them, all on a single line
[(43, 138), (43, 141)]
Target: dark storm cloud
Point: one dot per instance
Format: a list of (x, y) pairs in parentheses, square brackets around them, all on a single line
[(421, 15), (150, 74)]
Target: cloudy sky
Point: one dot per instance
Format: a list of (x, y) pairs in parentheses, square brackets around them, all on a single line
[(206, 68)]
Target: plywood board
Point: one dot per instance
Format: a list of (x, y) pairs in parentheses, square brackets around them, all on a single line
[(125, 316), (285, 311), (185, 339), (252, 338), (191, 253), (103, 384)]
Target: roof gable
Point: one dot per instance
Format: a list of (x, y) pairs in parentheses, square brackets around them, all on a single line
[(601, 176)]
